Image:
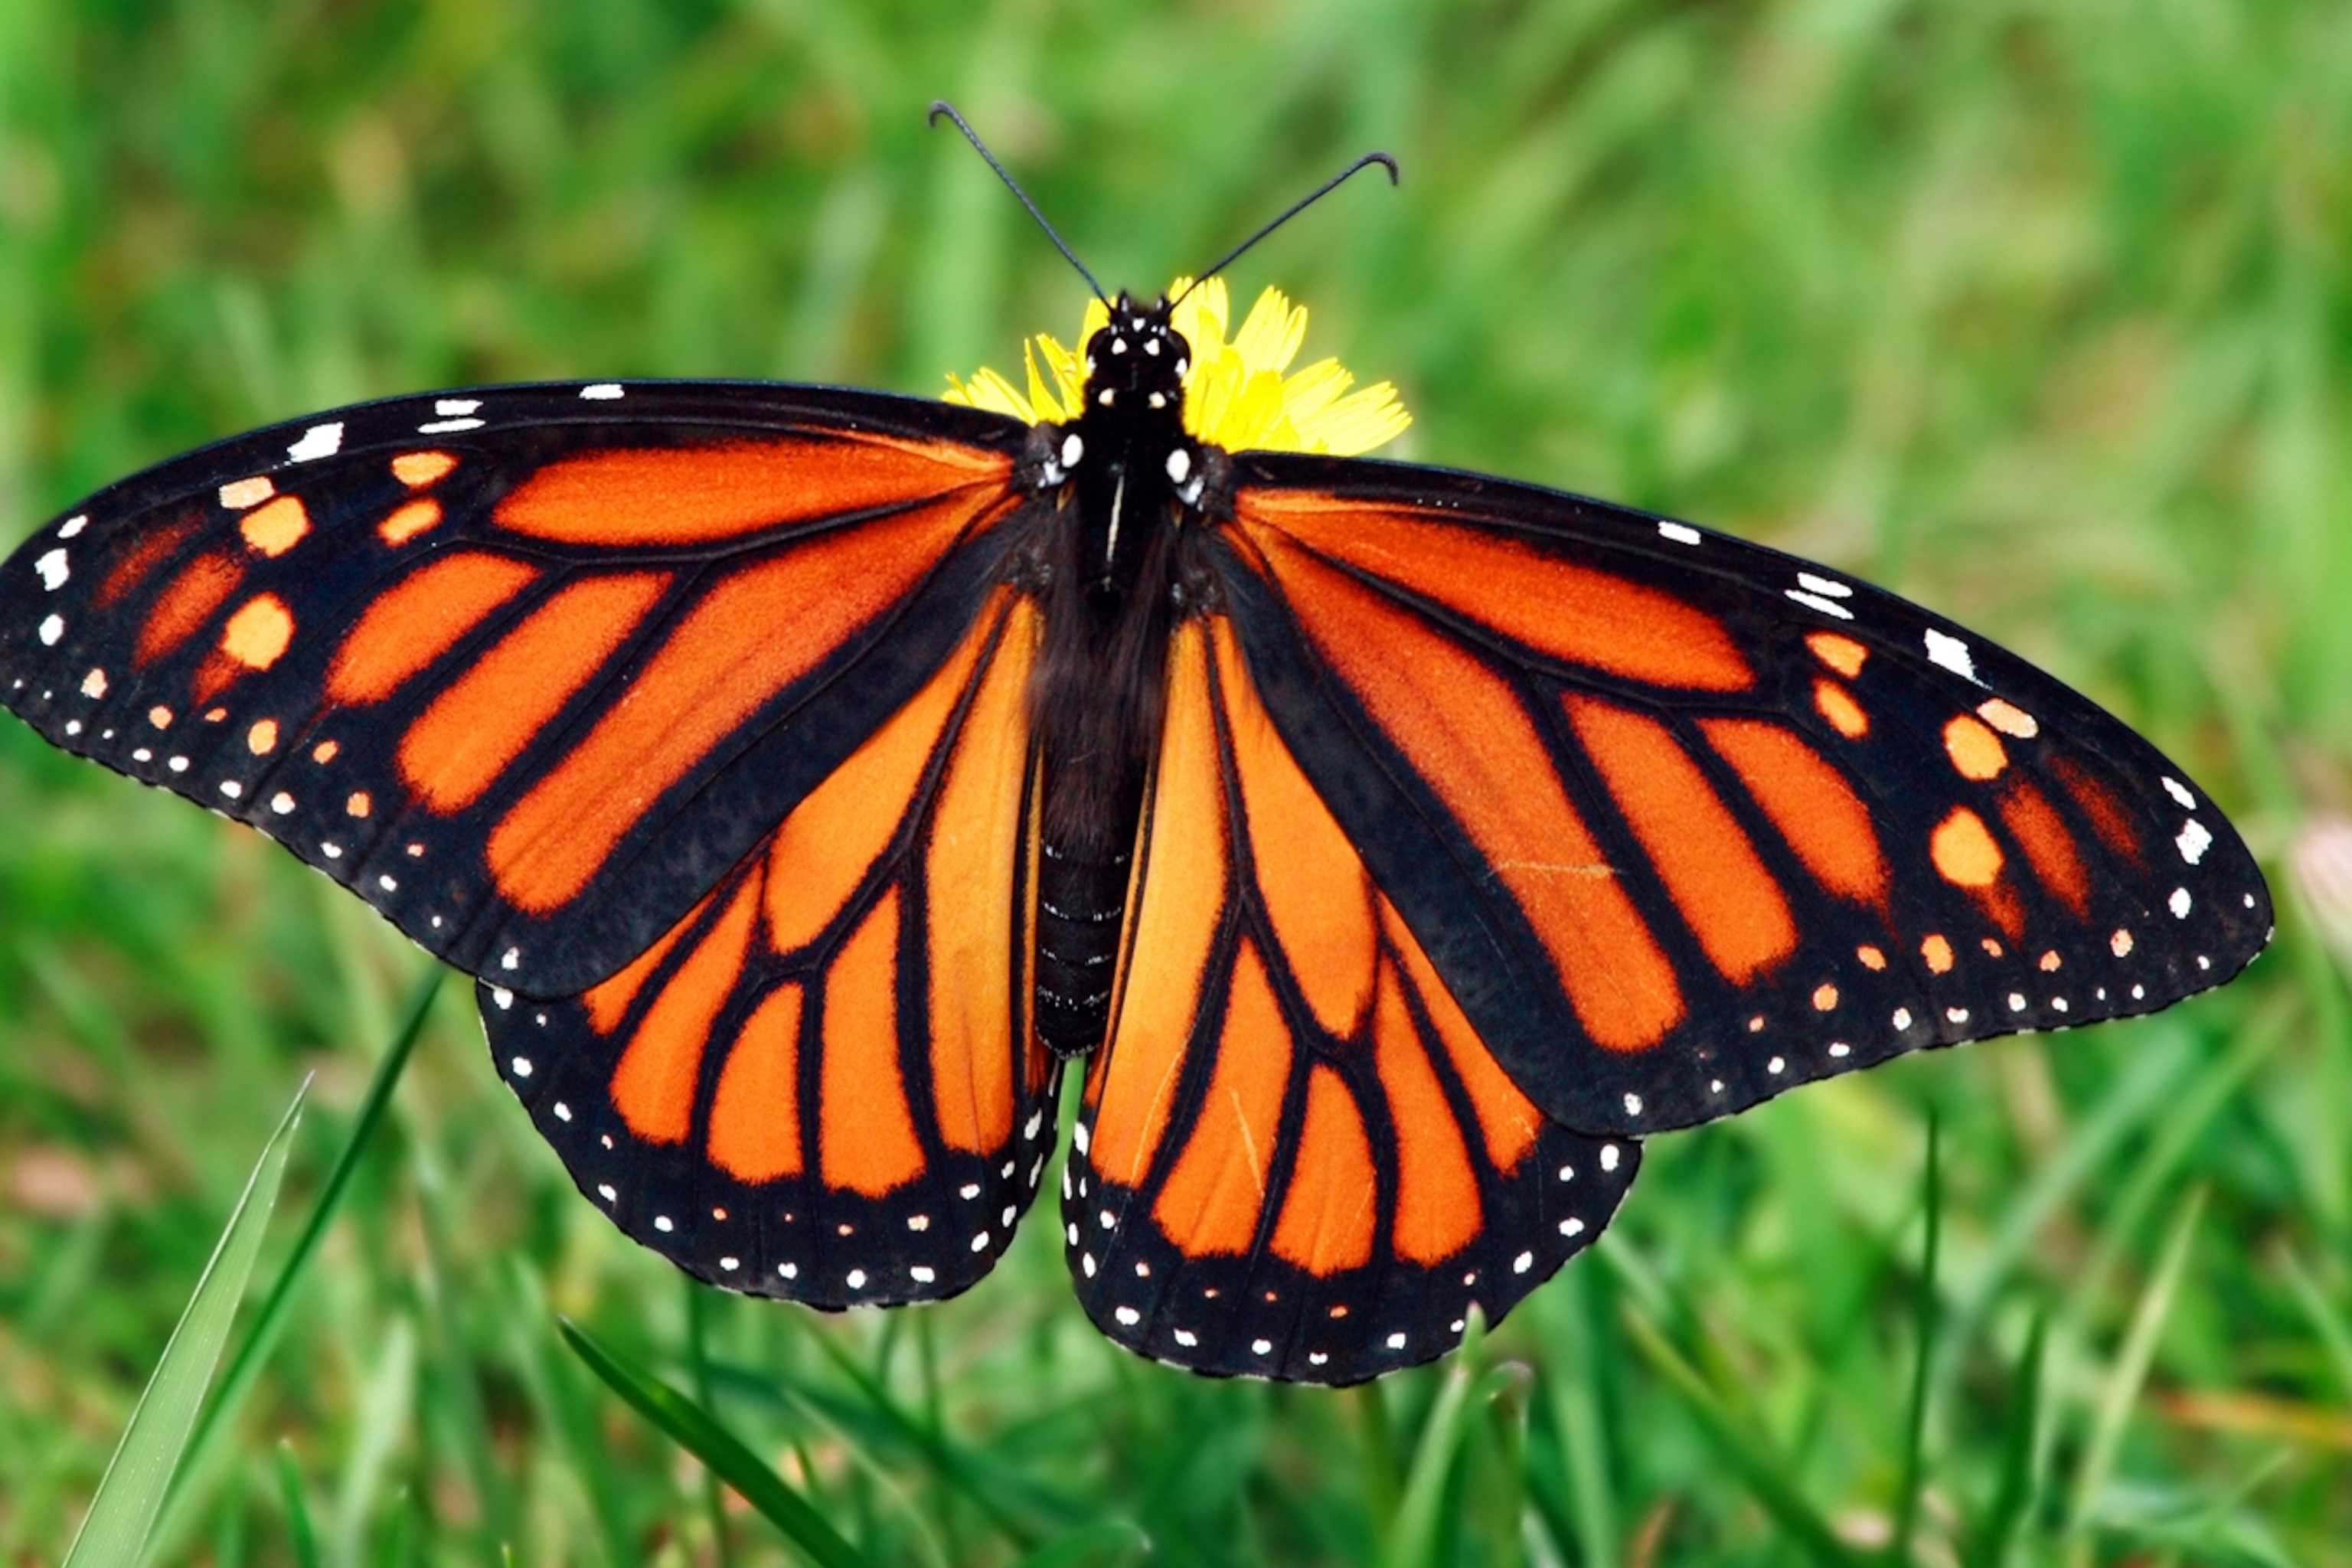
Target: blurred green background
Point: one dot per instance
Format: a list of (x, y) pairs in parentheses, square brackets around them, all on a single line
[(2038, 313)]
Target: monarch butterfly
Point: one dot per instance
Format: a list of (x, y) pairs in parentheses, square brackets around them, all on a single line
[(807, 774)]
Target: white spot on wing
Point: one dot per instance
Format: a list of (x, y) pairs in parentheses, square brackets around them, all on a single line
[(1820, 584), (451, 405), (1815, 602), (52, 567), (318, 441), (72, 526), (2179, 903), (52, 629), (601, 392), (1951, 653), (2194, 841), (447, 427), (2179, 792), (1680, 533)]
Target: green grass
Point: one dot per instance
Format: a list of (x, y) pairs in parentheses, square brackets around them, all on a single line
[(2040, 313)]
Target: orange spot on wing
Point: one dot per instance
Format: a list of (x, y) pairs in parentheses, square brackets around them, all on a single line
[(1557, 608), (1809, 801), (262, 737), (1842, 654), (1507, 1120), (1211, 1200), (482, 721), (723, 662), (692, 495), (975, 847), (1963, 849), (418, 469), (186, 602), (865, 1134), (1477, 750), (257, 636), (755, 1113), (653, 1087), (1310, 875), (1438, 1209), (418, 619), (408, 520), (1871, 958), (143, 557), (1938, 951), (1183, 899), (1837, 705), (277, 528), (1710, 869), (2109, 820), (2049, 847), (1329, 1212), (1976, 752), (1825, 996)]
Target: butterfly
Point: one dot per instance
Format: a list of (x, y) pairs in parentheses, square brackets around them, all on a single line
[(807, 775)]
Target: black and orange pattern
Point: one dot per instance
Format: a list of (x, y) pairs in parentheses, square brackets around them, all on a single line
[(1296, 1158), (528, 669), (1690, 821), (822, 1082), (739, 739)]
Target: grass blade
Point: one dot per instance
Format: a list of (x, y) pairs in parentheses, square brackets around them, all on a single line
[(1990, 1548), (1412, 1539), (694, 1429), (130, 1494), (302, 1536), (697, 1336), (1906, 1514), (271, 1318), (2129, 1374), (1759, 1469)]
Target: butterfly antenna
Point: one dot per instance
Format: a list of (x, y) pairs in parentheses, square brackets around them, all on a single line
[(942, 106), (1300, 205)]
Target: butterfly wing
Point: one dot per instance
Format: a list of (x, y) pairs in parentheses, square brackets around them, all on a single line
[(527, 669), (1683, 821), (1297, 1159), (821, 1082)]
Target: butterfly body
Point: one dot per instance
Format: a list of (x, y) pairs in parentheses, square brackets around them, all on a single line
[(1114, 551)]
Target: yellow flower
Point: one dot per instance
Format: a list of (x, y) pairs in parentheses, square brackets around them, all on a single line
[(1240, 394)]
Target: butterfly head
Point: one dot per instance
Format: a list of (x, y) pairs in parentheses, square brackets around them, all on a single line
[(1136, 361)]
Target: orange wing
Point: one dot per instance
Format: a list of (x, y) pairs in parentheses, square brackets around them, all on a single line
[(527, 669), (1297, 1159), (1684, 822), (822, 1082)]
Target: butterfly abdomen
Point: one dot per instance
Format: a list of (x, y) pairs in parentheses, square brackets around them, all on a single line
[(1080, 897)]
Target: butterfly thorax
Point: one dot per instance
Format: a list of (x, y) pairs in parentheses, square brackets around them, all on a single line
[(1127, 471)]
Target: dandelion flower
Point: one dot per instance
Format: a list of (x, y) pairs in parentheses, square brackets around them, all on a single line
[(1240, 393)]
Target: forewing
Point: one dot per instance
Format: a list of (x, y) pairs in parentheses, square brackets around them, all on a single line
[(1683, 821), (822, 1083), (529, 668), (1297, 1159)]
